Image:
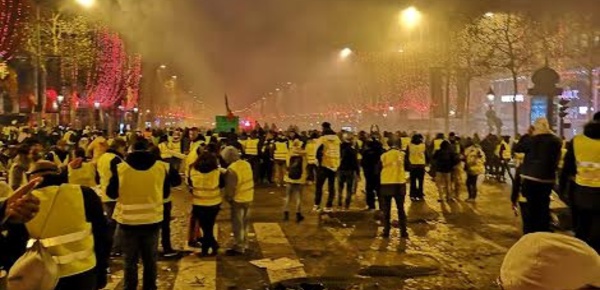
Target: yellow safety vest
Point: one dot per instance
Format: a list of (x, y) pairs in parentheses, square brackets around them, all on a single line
[(392, 171), (281, 150), (140, 199), (359, 147), (384, 143), (252, 147), (61, 227), (165, 152), (331, 152), (103, 168), (84, 175), (587, 156), (506, 154), (416, 154), (563, 152), (243, 143), (244, 190), (57, 161), (405, 141), (205, 188), (311, 152), (437, 144)]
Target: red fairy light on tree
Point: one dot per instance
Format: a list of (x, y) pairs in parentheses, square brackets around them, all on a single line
[(134, 75), (12, 16)]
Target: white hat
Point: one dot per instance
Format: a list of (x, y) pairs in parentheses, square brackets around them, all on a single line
[(548, 261)]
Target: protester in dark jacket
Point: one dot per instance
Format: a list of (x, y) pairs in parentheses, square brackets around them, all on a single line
[(443, 163), (538, 174), (348, 172), (372, 151), (584, 198)]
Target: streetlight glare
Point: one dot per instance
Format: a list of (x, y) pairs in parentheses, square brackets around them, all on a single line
[(86, 3), (489, 14), (410, 17), (162, 66), (345, 53)]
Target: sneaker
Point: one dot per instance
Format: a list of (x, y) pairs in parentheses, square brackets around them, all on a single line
[(316, 208), (170, 254), (328, 209), (470, 200)]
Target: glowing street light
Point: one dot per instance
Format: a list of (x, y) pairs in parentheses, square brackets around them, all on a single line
[(391, 108), (491, 95), (97, 105), (345, 53), (162, 66), (135, 110), (60, 99), (410, 17), (489, 14), (174, 77), (86, 3)]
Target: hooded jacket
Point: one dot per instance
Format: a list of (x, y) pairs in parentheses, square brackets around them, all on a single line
[(581, 196), (542, 156)]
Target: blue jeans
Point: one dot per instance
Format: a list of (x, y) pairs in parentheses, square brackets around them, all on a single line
[(346, 177), (239, 223), (139, 241)]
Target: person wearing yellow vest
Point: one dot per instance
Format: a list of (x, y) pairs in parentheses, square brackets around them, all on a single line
[(311, 155), (417, 161), (106, 166), (59, 155), (196, 141), (82, 172), (251, 152), (280, 155), (436, 143), (98, 146), (174, 180), (475, 163), (503, 152), (328, 158), (297, 163), (580, 181), (142, 183), (239, 192), (72, 227), (205, 182), (393, 186), (405, 140)]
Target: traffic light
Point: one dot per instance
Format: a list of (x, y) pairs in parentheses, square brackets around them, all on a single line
[(564, 106)]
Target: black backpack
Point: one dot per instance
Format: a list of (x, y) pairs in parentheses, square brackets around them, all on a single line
[(295, 170)]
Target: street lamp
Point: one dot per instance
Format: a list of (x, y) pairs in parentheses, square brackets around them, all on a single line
[(60, 99), (174, 77), (491, 95), (489, 14), (135, 110), (410, 17), (162, 66), (345, 53), (86, 3), (391, 108), (97, 105)]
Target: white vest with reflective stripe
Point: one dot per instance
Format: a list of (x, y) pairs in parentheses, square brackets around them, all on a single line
[(103, 168), (84, 175), (244, 190), (281, 150), (140, 199), (587, 156), (416, 154), (62, 228), (205, 187)]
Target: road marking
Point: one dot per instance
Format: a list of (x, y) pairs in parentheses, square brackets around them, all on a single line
[(274, 244), (197, 273), (114, 280)]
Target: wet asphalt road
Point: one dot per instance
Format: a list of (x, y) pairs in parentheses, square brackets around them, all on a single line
[(452, 246)]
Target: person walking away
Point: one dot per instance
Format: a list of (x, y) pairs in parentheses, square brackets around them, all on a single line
[(328, 157), (538, 175), (417, 160), (174, 146), (106, 166), (140, 187), (436, 143), (239, 192), (196, 141), (503, 153), (348, 172), (371, 156), (252, 153), (580, 179), (97, 146), (266, 149), (20, 165), (311, 154), (205, 182), (72, 227), (297, 163), (475, 163), (174, 180), (444, 161), (82, 172), (393, 186), (280, 155)]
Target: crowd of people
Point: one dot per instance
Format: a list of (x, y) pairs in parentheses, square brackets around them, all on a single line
[(94, 195)]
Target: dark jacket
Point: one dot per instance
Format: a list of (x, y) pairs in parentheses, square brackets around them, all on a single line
[(581, 196), (541, 159), (144, 160), (445, 160), (349, 158), (372, 151)]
